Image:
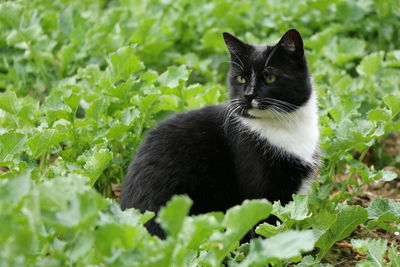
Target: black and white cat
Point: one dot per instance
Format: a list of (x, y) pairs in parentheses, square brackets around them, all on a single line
[(262, 144)]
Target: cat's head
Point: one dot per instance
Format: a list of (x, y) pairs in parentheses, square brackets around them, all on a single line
[(268, 78)]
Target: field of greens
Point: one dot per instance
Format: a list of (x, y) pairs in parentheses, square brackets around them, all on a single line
[(82, 81)]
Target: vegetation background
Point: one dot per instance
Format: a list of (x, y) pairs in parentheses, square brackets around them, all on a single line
[(82, 81)]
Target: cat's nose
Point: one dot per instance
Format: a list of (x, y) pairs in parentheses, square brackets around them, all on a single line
[(249, 96)]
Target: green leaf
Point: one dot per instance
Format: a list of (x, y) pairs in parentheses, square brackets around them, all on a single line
[(97, 163), (172, 215), (268, 230), (309, 261), (212, 40), (11, 144), (197, 229), (97, 110), (194, 234), (375, 249), (173, 76), (381, 211), (14, 189), (167, 102), (9, 102), (350, 48), (393, 102), (41, 142), (346, 221), (67, 202), (379, 114), (238, 221), (370, 64), (285, 245), (123, 63), (242, 218), (10, 14), (296, 209)]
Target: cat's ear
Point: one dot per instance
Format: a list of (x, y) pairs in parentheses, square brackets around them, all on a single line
[(292, 43), (235, 46)]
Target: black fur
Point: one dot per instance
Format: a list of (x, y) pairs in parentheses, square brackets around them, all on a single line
[(208, 155)]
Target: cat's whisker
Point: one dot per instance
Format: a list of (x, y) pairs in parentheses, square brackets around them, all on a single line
[(279, 116), (288, 115), (230, 111), (281, 113), (282, 102)]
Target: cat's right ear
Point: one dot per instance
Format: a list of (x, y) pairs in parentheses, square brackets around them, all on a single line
[(236, 47)]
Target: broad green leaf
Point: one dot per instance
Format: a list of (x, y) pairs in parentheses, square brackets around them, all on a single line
[(173, 76), (194, 233), (9, 102), (96, 110), (383, 210), (310, 261), (212, 40), (124, 62), (393, 102), (268, 230), (320, 39), (150, 77), (10, 14), (68, 202), (346, 221), (246, 215), (11, 144), (238, 221), (14, 189), (97, 163), (42, 141), (370, 64), (197, 229), (122, 90), (172, 215), (379, 114), (295, 210), (375, 249), (285, 245), (116, 131), (167, 102), (379, 207), (350, 48)]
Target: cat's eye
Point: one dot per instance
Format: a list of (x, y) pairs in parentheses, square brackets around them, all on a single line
[(240, 79), (270, 78)]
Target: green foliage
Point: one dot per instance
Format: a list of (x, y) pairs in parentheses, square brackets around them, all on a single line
[(283, 246), (346, 221), (82, 81), (375, 248)]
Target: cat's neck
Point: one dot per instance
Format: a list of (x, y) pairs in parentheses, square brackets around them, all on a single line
[(295, 133)]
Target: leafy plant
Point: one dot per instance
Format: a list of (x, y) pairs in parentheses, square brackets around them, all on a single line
[(82, 81)]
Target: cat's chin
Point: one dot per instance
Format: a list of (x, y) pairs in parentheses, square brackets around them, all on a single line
[(256, 113)]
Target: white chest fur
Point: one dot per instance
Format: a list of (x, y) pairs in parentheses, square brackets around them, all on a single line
[(295, 133)]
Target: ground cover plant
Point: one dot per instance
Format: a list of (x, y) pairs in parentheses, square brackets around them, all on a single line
[(82, 81)]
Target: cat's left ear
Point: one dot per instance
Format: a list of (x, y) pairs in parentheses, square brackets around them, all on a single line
[(235, 46), (292, 43)]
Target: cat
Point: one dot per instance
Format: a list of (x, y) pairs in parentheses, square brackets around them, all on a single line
[(263, 143)]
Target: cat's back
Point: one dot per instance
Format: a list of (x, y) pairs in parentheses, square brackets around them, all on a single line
[(185, 154), (185, 132)]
